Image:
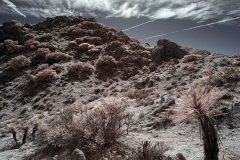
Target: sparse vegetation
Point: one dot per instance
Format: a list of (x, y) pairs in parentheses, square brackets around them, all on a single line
[(197, 103), (190, 58), (80, 69), (46, 75), (19, 62), (91, 131)]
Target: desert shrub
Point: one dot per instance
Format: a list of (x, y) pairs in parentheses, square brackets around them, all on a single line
[(92, 131), (84, 47), (32, 44), (57, 67), (89, 39), (143, 53), (43, 52), (190, 58), (11, 46), (80, 69), (57, 57), (106, 63), (19, 62), (76, 31), (151, 151), (219, 78), (45, 37), (188, 67), (236, 63), (46, 75), (41, 67)]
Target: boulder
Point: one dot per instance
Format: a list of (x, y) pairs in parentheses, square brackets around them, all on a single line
[(166, 50)]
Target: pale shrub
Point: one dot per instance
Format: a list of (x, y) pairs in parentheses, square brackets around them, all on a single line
[(57, 57), (41, 67), (190, 58), (80, 69), (106, 62), (43, 52), (11, 46), (32, 44), (19, 62), (46, 75), (92, 131)]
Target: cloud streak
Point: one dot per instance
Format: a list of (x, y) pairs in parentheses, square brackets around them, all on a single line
[(14, 7), (200, 26), (196, 10)]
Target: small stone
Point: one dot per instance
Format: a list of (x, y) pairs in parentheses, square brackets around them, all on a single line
[(78, 155)]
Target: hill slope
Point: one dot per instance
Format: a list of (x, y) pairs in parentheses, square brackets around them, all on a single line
[(67, 62)]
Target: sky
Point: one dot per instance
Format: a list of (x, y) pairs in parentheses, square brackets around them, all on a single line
[(213, 25)]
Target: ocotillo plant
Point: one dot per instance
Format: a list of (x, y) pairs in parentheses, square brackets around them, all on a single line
[(197, 103)]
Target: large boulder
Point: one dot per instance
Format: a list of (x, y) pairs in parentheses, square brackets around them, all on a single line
[(166, 50)]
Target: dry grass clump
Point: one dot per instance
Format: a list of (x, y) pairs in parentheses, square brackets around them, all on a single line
[(57, 57), (190, 58), (19, 62), (151, 151), (46, 75), (197, 103), (80, 69), (92, 131)]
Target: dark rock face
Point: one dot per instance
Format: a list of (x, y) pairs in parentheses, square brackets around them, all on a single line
[(13, 30), (166, 50)]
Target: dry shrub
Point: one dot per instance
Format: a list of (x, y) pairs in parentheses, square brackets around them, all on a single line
[(32, 44), (41, 67), (236, 63), (89, 39), (11, 46), (57, 57), (154, 151), (46, 75), (143, 53), (80, 69), (92, 131), (190, 58), (188, 66), (85, 46), (57, 67), (43, 52), (19, 62), (106, 63), (219, 78)]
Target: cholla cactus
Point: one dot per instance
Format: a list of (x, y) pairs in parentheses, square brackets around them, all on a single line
[(19, 62), (197, 103)]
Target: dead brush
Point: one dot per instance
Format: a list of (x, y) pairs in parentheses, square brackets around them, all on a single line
[(151, 151), (197, 103), (92, 131)]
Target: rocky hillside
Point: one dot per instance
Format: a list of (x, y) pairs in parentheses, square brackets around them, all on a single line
[(73, 65)]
